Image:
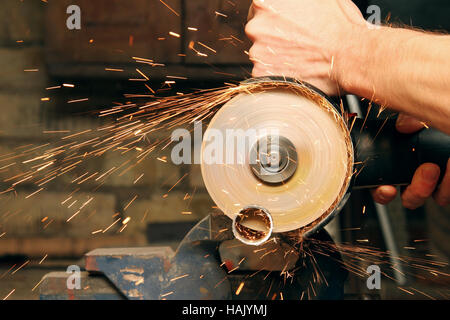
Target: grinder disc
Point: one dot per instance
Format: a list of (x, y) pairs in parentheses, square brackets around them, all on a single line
[(323, 156)]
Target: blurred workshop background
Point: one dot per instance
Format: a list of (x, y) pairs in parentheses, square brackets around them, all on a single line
[(53, 79)]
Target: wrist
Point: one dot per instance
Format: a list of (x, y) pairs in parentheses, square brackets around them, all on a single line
[(355, 56)]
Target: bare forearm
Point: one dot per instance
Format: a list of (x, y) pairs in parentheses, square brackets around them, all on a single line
[(406, 70)]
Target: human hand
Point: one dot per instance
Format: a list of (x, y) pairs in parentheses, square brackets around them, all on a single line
[(424, 182), (303, 39)]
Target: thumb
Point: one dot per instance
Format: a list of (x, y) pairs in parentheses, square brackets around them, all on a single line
[(408, 124)]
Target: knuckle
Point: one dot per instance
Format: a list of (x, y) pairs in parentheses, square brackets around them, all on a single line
[(379, 199), (420, 192), (251, 28), (253, 52)]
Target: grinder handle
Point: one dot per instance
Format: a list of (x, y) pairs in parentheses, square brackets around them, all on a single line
[(384, 156)]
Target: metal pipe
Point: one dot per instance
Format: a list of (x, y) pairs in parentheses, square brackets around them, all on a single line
[(253, 225)]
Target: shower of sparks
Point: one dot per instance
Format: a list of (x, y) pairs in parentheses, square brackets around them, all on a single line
[(355, 259), (129, 131)]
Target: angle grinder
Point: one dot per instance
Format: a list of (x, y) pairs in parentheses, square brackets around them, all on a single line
[(281, 156)]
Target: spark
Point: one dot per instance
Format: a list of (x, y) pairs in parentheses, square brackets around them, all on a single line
[(173, 34), (180, 277), (111, 225), (62, 203), (205, 46), (122, 228), (7, 296), (423, 293), (73, 216), (76, 134), (129, 203), (42, 260), (78, 100), (237, 39), (176, 77), (55, 131), (7, 271), (239, 289), (179, 180), (113, 69), (142, 74), (126, 220), (138, 59), (52, 88), (425, 125), (86, 203), (21, 266), (409, 292), (176, 13), (138, 178), (145, 216), (32, 194), (220, 14), (37, 285), (166, 294)]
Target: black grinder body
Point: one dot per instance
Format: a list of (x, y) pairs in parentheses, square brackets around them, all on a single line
[(384, 156)]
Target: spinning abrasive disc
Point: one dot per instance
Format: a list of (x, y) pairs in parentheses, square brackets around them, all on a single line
[(297, 182)]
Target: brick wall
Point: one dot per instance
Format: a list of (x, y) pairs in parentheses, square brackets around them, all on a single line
[(34, 51)]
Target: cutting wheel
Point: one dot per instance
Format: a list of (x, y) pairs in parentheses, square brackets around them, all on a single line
[(315, 150)]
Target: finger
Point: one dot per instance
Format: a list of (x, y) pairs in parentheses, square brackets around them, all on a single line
[(408, 124), (384, 194), (442, 195), (422, 186)]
